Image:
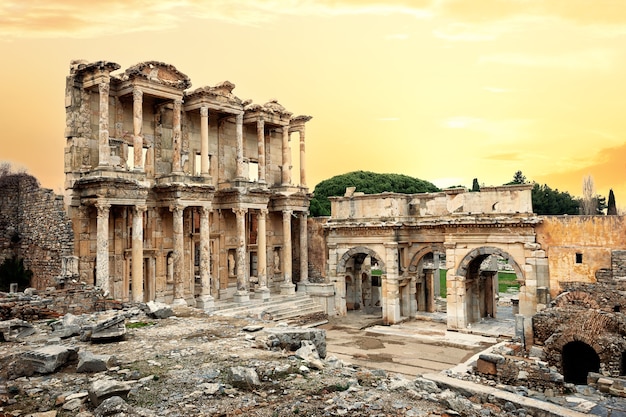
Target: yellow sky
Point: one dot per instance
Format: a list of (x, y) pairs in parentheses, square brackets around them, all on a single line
[(442, 90)]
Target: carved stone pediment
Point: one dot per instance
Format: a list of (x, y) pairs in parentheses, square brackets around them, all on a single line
[(160, 73)]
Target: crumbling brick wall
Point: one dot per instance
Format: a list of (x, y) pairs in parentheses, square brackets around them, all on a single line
[(34, 227)]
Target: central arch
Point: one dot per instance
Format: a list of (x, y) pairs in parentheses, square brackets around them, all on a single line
[(425, 266), (481, 281)]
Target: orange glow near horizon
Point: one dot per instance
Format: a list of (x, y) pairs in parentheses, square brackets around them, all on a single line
[(442, 90)]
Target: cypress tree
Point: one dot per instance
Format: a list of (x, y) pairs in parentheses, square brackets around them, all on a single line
[(612, 208)]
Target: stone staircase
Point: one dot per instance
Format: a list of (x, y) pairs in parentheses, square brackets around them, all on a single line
[(277, 308)]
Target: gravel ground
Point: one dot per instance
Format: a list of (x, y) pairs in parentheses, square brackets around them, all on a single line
[(182, 366)]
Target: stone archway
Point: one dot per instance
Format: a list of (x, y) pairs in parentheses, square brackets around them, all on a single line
[(480, 281), (363, 290), (425, 267)]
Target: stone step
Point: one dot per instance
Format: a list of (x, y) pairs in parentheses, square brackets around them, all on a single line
[(293, 310), (273, 309), (231, 306)]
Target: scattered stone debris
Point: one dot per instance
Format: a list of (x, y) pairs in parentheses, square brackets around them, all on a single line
[(194, 364)]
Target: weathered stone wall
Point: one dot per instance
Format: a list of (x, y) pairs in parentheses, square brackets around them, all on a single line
[(318, 252), (578, 247), (34, 226)]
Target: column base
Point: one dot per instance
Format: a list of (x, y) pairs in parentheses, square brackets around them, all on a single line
[(179, 302), (302, 287), (287, 289), (205, 302), (241, 296), (262, 293)]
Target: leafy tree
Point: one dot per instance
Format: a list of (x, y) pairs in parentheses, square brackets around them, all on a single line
[(518, 178), (612, 208), (365, 182), (547, 201), (475, 185), (12, 270)]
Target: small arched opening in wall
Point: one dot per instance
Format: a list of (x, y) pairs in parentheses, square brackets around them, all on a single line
[(483, 269), (578, 360), (427, 265), (362, 269)]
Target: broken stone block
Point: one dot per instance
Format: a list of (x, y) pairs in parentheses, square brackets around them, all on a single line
[(242, 377), (291, 338), (102, 389), (427, 385), (15, 329), (89, 362), (157, 310), (49, 358), (308, 353), (113, 406), (109, 330), (486, 368), (67, 327)]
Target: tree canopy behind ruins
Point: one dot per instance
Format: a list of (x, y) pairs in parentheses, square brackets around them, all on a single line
[(547, 201), (366, 182)]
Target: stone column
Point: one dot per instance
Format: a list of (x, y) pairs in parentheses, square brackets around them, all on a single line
[(263, 291), (302, 159), (176, 137), (137, 129), (242, 283), (204, 140), (260, 134), (205, 301), (239, 148), (104, 151), (287, 287), (304, 254), (286, 174), (178, 254), (137, 254), (102, 248)]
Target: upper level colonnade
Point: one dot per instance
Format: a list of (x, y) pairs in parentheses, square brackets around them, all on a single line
[(146, 121)]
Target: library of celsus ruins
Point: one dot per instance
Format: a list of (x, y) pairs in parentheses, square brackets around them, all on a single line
[(179, 195)]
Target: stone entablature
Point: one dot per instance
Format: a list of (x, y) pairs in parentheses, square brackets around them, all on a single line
[(181, 196), (491, 204)]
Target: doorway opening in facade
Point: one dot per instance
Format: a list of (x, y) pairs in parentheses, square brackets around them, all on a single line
[(489, 274), (578, 360), (428, 282), (363, 283)]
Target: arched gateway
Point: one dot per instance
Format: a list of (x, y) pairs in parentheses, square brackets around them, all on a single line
[(413, 237)]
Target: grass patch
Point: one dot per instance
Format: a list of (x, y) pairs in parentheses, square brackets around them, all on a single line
[(506, 281), (138, 324)]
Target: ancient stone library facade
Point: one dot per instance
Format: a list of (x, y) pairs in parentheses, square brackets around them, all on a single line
[(181, 195)]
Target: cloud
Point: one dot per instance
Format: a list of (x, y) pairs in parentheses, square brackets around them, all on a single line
[(595, 59), (73, 18), (599, 12), (388, 119), (506, 156)]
